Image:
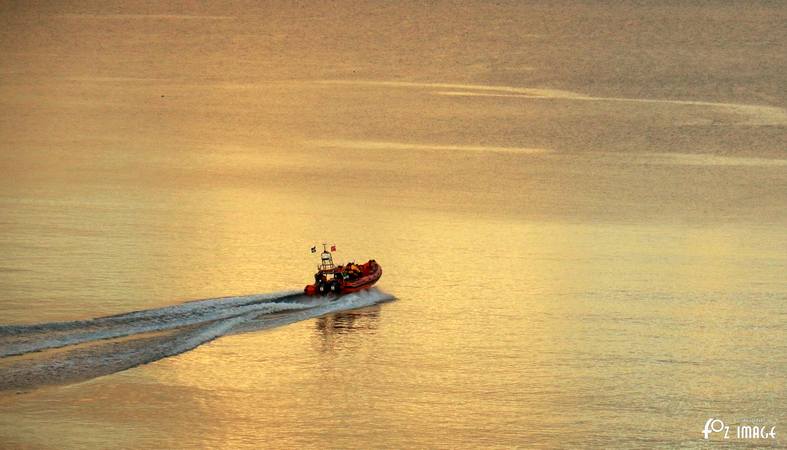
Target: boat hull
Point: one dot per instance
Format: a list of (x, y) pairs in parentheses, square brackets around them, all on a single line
[(371, 272), (362, 283)]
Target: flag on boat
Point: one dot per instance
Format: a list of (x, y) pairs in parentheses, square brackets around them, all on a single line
[(333, 248), (314, 249)]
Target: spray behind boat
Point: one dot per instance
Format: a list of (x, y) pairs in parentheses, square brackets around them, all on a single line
[(342, 279)]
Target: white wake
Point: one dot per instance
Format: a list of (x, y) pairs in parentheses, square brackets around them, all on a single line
[(60, 352)]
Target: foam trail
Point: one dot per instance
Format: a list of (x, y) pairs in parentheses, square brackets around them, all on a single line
[(378, 145), (353, 301), (140, 326), (109, 357), (180, 309), (20, 339), (105, 345), (757, 115)]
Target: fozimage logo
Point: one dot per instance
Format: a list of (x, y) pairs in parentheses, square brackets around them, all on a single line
[(745, 429)]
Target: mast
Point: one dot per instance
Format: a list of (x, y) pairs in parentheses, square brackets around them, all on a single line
[(327, 260)]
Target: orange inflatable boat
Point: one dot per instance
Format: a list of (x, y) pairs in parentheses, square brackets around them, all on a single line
[(342, 279)]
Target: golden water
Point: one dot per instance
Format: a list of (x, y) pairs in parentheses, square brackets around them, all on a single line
[(579, 208)]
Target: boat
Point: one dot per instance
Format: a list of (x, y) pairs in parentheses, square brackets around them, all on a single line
[(342, 279)]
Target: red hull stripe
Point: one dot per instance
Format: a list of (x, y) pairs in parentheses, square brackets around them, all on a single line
[(363, 283), (357, 285)]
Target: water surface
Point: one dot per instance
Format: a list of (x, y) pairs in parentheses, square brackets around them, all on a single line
[(579, 208)]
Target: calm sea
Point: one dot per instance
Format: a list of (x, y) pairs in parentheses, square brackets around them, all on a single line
[(579, 207)]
